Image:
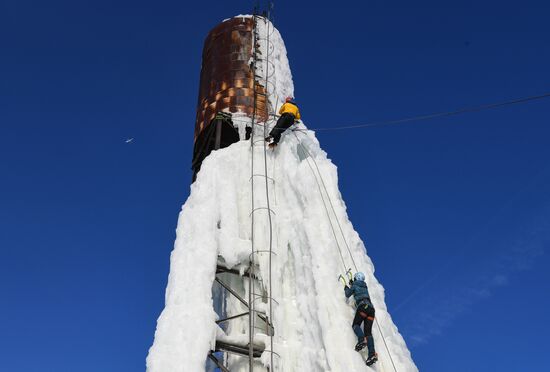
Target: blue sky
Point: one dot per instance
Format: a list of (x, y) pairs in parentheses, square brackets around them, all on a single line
[(455, 211)]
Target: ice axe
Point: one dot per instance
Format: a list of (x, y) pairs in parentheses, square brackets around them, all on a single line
[(343, 278), (350, 275)]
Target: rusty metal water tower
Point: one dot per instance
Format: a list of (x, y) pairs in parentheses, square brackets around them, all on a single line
[(227, 86)]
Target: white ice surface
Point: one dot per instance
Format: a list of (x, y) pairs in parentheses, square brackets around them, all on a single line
[(312, 319)]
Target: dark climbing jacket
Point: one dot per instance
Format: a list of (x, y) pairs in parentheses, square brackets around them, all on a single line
[(359, 291)]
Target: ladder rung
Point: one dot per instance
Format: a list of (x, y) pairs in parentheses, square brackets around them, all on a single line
[(241, 349), (222, 269)]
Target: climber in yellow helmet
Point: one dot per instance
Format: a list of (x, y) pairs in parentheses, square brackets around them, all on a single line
[(289, 114)]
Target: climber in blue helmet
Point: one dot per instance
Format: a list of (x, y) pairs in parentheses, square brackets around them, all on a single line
[(364, 314)]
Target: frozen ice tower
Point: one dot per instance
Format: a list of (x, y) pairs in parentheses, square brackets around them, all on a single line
[(264, 234)]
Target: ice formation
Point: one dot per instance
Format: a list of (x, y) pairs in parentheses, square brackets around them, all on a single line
[(311, 238)]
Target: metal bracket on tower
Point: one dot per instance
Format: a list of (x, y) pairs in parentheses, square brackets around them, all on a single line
[(217, 362)]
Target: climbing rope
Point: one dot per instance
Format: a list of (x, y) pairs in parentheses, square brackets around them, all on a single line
[(328, 215), (440, 114), (341, 231), (385, 344), (344, 266), (331, 204)]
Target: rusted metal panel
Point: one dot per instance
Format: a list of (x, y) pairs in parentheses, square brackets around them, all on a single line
[(227, 81)]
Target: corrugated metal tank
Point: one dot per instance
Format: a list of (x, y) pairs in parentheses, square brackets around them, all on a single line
[(227, 80)]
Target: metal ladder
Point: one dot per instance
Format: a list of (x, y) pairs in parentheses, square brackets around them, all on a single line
[(256, 288)]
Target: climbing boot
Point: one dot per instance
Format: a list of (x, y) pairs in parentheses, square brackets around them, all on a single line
[(360, 345), (373, 358)]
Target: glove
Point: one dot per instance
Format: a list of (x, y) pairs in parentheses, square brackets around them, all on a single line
[(351, 282)]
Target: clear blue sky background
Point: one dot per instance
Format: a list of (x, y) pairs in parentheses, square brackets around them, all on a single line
[(455, 211)]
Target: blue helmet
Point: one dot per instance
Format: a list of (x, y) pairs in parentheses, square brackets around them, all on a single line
[(359, 276)]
